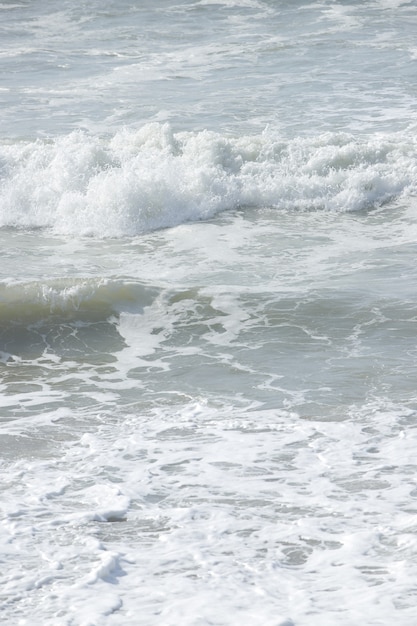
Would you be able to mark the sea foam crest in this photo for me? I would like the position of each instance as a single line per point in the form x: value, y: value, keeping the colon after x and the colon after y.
x: 137, y: 181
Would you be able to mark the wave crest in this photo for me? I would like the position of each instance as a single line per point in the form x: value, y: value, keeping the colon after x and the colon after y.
x: 71, y: 298
x: 137, y: 181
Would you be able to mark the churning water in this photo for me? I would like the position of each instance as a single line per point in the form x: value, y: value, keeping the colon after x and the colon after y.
x: 208, y: 313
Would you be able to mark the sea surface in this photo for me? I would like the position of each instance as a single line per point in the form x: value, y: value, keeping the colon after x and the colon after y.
x: 208, y: 313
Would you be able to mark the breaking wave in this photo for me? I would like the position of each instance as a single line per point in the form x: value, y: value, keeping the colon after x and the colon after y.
x: 138, y: 181
x: 70, y: 298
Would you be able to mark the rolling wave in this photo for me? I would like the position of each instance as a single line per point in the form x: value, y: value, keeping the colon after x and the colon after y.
x: 138, y: 181
x: 67, y: 299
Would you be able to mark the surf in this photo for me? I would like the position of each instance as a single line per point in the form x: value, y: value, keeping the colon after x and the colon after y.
x: 137, y: 181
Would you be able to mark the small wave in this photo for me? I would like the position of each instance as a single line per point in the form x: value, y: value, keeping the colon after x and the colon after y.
x: 68, y: 299
x: 138, y: 181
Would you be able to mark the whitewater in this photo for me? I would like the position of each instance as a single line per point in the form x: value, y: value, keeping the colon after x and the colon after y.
x: 208, y: 355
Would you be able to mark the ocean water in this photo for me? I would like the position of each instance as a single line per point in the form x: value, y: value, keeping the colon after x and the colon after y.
x: 208, y: 313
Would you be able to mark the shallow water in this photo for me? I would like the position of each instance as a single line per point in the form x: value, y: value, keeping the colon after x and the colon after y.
x: 207, y: 313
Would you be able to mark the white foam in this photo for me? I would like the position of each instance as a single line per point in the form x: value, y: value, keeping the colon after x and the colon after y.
x: 203, y: 515
x: 137, y: 181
